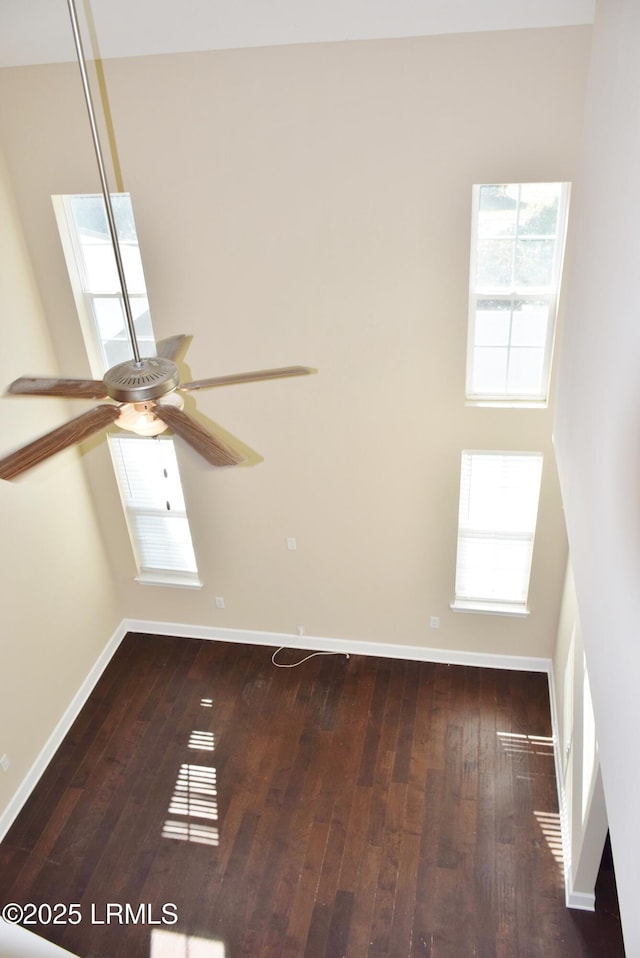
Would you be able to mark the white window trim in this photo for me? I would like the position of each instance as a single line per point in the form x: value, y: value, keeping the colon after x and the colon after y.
x: 550, y: 294
x: 172, y: 579
x: 516, y: 609
x: 83, y: 301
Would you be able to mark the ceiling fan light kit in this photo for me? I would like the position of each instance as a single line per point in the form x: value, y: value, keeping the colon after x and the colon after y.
x: 140, y: 418
x: 144, y: 389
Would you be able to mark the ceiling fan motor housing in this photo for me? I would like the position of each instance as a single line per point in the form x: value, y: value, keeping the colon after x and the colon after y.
x: 149, y: 379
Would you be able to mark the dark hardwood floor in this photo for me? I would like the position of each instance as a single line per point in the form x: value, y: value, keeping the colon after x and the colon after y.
x: 366, y: 807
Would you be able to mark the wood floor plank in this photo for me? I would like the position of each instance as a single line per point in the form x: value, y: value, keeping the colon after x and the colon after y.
x: 338, y: 934
x: 305, y: 897
x: 318, y: 931
x: 363, y: 909
x: 346, y: 807
x: 440, y: 716
x: 424, y: 912
x: 356, y: 841
x: 401, y: 930
x: 374, y: 727
x: 389, y: 884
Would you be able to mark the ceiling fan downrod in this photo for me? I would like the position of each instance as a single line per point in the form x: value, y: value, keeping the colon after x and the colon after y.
x: 77, y: 39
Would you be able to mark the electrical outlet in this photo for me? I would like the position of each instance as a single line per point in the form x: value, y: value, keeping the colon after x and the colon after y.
x: 291, y: 543
x: 219, y: 602
x: 434, y: 622
x: 5, y: 763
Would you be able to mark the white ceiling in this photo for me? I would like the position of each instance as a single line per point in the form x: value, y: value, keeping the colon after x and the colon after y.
x: 37, y: 31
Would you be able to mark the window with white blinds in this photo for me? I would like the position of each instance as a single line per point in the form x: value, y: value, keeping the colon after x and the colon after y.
x: 499, y: 494
x: 517, y: 247
x: 146, y: 468
x: 151, y: 492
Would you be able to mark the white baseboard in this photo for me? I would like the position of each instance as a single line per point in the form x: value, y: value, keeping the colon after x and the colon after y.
x: 313, y: 643
x: 72, y: 711
x: 583, y: 901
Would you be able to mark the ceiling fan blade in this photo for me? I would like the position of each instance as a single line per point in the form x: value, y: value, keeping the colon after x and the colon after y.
x: 170, y: 347
x: 257, y: 376
x: 210, y: 447
x: 72, y: 432
x: 66, y: 388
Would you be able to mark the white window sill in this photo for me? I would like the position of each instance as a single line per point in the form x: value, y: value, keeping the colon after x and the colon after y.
x: 507, y: 403
x: 169, y: 579
x: 490, y: 608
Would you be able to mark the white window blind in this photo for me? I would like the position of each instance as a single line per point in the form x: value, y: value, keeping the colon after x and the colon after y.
x: 517, y: 247
x: 499, y: 495
x: 152, y: 496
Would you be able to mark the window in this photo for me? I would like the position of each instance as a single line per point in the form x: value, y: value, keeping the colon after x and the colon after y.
x: 146, y: 469
x: 499, y: 494
x: 152, y: 497
x: 97, y: 277
x: 518, y: 233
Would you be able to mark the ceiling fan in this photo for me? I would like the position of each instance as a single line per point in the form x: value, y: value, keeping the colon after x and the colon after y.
x: 146, y: 390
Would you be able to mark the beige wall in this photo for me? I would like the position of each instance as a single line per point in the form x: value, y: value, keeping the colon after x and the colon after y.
x: 59, y: 605
x: 311, y: 204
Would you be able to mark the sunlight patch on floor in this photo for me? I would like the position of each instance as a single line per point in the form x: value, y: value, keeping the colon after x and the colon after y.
x: 191, y: 832
x: 171, y: 944
x: 193, y: 807
x: 549, y: 823
x: 516, y: 743
x: 202, y: 741
x: 194, y: 797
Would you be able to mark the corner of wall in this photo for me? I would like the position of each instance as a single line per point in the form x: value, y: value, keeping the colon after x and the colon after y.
x: 45, y: 755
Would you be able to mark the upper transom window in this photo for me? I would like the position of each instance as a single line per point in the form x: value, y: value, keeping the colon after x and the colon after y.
x: 518, y: 233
